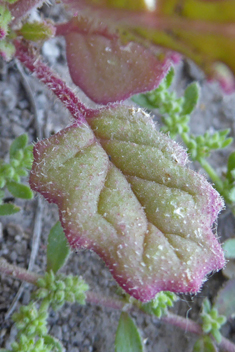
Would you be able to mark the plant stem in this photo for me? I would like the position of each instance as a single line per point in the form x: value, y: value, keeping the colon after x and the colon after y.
x: 52, y: 81
x: 17, y: 272
x: 113, y: 303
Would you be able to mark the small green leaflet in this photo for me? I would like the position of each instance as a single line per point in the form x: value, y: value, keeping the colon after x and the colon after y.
x: 19, y: 190
x: 51, y: 340
x: 204, y: 344
x: 57, y: 248
x: 8, y: 209
x: 128, y: 338
x: 169, y: 77
x: 191, y: 96
x: 231, y: 167
x: 19, y: 143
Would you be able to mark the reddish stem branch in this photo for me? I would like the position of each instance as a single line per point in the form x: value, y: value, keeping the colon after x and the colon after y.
x: 17, y: 272
x: 52, y: 81
x: 187, y: 325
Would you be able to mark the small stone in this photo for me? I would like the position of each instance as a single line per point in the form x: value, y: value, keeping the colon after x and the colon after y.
x: 56, y: 331
x: 13, y: 256
x: 74, y: 349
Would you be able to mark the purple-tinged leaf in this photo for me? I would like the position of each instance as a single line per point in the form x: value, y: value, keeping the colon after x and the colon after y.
x: 229, y: 270
x: 123, y: 190
x: 201, y: 30
x: 225, y: 300
x: 108, y: 71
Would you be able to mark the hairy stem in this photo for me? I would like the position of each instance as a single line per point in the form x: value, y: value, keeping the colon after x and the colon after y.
x: 187, y: 325
x: 17, y: 272
x: 52, y: 81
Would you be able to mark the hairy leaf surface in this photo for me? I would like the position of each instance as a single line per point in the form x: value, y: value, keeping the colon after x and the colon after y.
x: 123, y: 190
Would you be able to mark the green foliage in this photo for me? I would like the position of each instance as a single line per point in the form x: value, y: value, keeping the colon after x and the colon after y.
x: 211, y: 320
x: 5, y: 19
x: 175, y: 112
x: 7, y: 49
x: 159, y: 305
x: 58, y: 249
x: 8, y: 209
x: 128, y: 338
x: 200, y: 147
x: 20, y: 161
x: 31, y: 322
x: 204, y: 344
x: 57, y: 289
x: 36, y: 31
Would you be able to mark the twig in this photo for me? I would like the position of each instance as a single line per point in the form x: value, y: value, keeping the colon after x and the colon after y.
x: 18, y: 272
x: 53, y: 82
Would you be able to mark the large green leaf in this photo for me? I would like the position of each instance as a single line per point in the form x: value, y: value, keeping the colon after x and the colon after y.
x: 57, y: 248
x: 128, y: 338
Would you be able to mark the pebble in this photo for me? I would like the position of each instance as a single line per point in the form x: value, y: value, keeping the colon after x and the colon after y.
x: 56, y: 331
x: 75, y: 349
x: 13, y: 256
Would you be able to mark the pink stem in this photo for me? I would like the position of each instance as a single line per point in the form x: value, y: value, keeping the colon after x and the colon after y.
x: 187, y: 325
x: 108, y: 302
x: 17, y: 272
x: 52, y: 81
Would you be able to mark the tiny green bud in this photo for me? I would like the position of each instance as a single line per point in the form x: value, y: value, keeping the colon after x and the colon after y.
x: 14, y: 163
x: 41, y: 293
x: 59, y: 296
x: 30, y: 330
x: 41, y: 282
x: 60, y: 285
x: 69, y: 296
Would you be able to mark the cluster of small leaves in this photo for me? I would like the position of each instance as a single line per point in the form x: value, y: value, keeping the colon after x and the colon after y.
x: 32, y: 336
x: 159, y: 305
x: 58, y: 289
x: 53, y: 291
x: 30, y: 321
x: 201, y: 146
x: 175, y: 112
x: 211, y: 320
x: 20, y: 161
